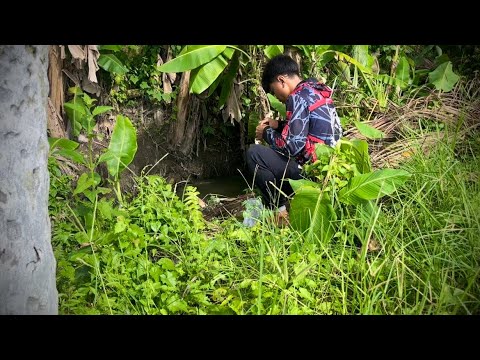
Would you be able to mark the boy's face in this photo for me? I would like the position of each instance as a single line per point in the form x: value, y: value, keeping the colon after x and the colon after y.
x: 280, y: 89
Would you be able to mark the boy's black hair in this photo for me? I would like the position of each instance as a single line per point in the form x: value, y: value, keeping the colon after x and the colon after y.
x: 278, y: 65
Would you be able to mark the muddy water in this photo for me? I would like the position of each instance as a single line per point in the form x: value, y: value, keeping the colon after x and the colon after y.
x: 228, y: 186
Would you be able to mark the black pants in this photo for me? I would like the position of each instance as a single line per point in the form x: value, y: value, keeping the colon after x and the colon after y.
x: 266, y: 165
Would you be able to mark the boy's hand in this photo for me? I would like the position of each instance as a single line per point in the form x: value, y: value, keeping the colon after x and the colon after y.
x: 271, y: 122
x: 259, y: 129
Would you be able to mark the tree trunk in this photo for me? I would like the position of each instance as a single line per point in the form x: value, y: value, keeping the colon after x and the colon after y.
x: 27, y: 264
x: 178, y: 126
x: 55, y: 123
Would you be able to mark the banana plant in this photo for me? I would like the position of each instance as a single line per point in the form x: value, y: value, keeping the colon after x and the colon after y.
x: 121, y: 149
x: 207, y: 62
x: 109, y: 61
x: 273, y: 50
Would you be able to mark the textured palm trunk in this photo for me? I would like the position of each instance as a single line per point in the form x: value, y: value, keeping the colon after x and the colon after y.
x: 27, y: 264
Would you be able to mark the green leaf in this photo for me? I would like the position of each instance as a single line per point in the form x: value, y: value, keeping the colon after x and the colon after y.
x: 369, y: 131
x: 389, y: 80
x: 166, y: 263
x: 110, y: 47
x: 101, y: 109
x: 277, y: 105
x: 403, y: 71
x: 443, y: 77
x: 122, y: 147
x: 120, y: 225
x: 312, y: 211
x: 305, y: 294
x: 193, y: 58
x: 441, y: 59
x: 322, y: 150
x: 214, y: 86
x: 227, y: 84
x: 112, y: 64
x: 206, y: 75
x: 273, y: 50
x: 72, y: 155
x: 323, y: 55
x: 76, y: 111
x: 75, y: 90
x: 83, y: 183
x: 80, y: 112
x: 298, y: 184
x: 367, y: 211
x: 361, y: 156
x: 372, y: 185
x: 62, y: 143
x: 78, y: 107
x: 342, y: 56
x: 361, y: 54
x: 90, y: 195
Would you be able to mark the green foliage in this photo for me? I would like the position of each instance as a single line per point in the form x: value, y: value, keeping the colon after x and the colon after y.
x: 155, y: 254
x: 277, y: 105
x: 372, y: 186
x: 443, y: 78
x: 193, y: 57
x: 203, y: 77
x: 312, y: 213
x: 207, y: 63
x: 227, y: 83
x: 403, y: 71
x: 142, y: 78
x: 273, y: 50
x: 122, y: 147
x: 79, y: 110
x: 368, y: 131
x: 66, y: 148
x: 111, y: 63
x: 126, y: 268
x: 345, y: 174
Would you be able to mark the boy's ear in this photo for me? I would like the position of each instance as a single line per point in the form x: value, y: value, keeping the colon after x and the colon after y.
x: 281, y: 78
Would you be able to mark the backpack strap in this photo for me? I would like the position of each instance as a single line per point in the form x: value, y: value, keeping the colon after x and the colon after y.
x: 325, y: 97
x: 324, y: 94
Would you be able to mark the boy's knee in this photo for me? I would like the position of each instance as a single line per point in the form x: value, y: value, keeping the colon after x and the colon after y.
x: 253, y: 151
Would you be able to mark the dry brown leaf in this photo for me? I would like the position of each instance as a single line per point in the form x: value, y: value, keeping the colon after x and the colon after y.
x: 167, y: 87
x: 202, y: 203
x: 74, y: 77
x: 77, y: 52
x: 172, y: 76
x: 55, y: 122
x: 91, y: 87
x: 373, y: 245
x: 93, y: 55
x: 232, y: 108
x: 82, y: 139
x: 62, y: 51
x: 56, y: 94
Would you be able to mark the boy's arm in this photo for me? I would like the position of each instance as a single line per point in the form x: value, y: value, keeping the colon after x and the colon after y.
x: 281, y: 125
x: 292, y: 137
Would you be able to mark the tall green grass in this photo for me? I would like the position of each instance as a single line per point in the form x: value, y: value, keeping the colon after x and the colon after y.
x: 428, y: 261
x: 157, y: 255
